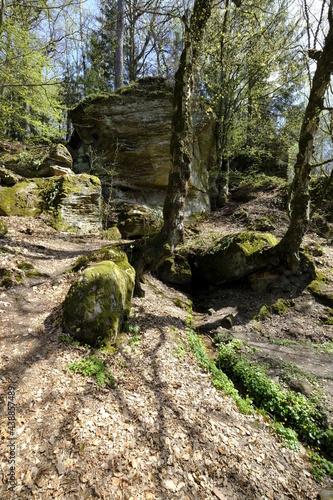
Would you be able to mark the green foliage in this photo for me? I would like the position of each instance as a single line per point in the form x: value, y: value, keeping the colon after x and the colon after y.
x: 321, y: 467
x: 292, y: 409
x: 93, y: 367
x: 249, y: 74
x: 27, y: 107
x: 220, y: 379
x: 134, y: 332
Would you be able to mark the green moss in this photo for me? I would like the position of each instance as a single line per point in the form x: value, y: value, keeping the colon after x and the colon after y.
x: 29, y: 270
x: 252, y: 242
x: 280, y: 307
x: 180, y: 303
x: 98, y: 302
x: 234, y: 257
x: 23, y: 199
x: 321, y: 289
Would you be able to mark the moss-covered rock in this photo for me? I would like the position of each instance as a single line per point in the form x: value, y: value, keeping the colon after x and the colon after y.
x: 3, y: 228
x: 39, y: 161
x: 73, y: 202
x: 322, y: 289
x: 136, y: 221
x: 234, y: 257
x: 175, y: 271
x: 23, y: 200
x: 98, y: 302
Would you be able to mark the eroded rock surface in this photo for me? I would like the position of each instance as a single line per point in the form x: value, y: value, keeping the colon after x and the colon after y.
x: 124, y: 138
x: 72, y: 202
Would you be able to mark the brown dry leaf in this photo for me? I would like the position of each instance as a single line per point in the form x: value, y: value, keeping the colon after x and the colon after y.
x: 219, y: 494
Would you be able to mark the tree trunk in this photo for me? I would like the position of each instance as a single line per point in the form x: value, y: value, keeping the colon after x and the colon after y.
x: 222, y: 164
x: 171, y: 234
x: 300, y: 215
x: 2, y: 12
x: 119, y: 56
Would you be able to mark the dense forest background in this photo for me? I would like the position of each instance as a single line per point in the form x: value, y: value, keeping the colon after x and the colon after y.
x: 254, y: 69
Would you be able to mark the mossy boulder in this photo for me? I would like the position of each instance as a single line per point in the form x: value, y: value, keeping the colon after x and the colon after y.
x: 98, y: 302
x: 22, y: 200
x: 136, y: 221
x: 73, y: 202
x: 3, y: 228
x: 175, y: 271
x: 322, y: 289
x: 233, y: 257
x: 39, y: 161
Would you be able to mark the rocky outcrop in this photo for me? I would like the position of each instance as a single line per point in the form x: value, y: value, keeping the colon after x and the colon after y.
x: 99, y: 301
x: 233, y: 257
x: 42, y: 161
x: 72, y: 202
x: 124, y: 138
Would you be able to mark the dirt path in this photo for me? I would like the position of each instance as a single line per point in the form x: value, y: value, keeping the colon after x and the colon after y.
x: 163, y: 432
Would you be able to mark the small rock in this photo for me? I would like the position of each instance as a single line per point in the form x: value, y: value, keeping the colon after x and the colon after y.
x: 301, y: 386
x: 326, y: 494
x: 3, y: 228
x: 211, y: 311
x: 170, y: 485
x: 228, y: 322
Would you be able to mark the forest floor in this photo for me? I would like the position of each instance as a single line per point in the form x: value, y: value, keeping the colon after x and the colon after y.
x: 163, y: 431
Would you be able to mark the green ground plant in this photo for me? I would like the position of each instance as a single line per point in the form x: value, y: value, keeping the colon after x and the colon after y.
x: 93, y: 366
x: 289, y: 408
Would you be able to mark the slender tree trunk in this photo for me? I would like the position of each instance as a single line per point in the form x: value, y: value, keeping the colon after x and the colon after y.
x: 300, y: 215
x: 119, y: 56
x: 171, y: 234
x: 2, y: 12
x: 222, y: 165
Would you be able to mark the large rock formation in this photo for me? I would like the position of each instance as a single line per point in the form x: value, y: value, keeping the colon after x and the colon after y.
x: 124, y: 138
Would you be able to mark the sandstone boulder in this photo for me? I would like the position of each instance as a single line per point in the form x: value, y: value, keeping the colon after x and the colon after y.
x: 72, y: 202
x: 124, y: 138
x: 233, y: 257
x: 98, y: 302
x: 41, y: 161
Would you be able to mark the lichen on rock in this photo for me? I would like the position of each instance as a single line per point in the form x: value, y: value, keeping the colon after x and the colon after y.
x: 98, y: 302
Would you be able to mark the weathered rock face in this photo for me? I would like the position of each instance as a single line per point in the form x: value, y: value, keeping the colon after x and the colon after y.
x: 128, y: 133
x: 99, y: 301
x: 175, y: 271
x: 42, y: 161
x: 73, y: 202
x: 137, y: 221
x: 233, y: 257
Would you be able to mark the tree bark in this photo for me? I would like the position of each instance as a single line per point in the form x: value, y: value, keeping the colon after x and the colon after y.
x: 119, y: 55
x: 2, y: 12
x: 171, y: 234
x: 300, y: 216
